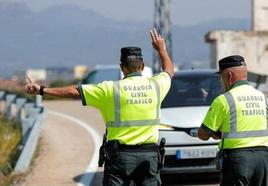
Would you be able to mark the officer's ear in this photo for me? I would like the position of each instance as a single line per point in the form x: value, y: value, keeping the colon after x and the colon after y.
x: 230, y: 77
x: 123, y: 69
x: 142, y: 67
x: 229, y: 74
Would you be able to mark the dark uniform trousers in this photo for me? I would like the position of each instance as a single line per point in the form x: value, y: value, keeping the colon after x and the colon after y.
x: 245, y: 167
x: 137, y: 164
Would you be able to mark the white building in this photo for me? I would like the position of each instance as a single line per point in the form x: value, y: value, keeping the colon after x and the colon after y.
x: 252, y: 45
x: 37, y: 74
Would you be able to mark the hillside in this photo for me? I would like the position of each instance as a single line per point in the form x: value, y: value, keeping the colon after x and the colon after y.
x: 68, y: 35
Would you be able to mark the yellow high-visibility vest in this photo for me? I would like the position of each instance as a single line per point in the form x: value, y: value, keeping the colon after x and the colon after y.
x: 241, y: 115
x: 130, y: 107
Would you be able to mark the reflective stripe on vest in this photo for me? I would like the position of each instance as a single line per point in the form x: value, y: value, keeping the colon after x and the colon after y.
x: 233, y: 123
x: 119, y: 123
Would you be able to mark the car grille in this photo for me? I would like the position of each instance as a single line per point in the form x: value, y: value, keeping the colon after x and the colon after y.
x: 171, y: 161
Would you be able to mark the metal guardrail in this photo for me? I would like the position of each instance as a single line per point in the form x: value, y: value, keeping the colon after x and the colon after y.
x: 31, y: 116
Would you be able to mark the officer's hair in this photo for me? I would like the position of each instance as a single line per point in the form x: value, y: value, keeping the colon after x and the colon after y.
x: 133, y: 65
x: 239, y: 72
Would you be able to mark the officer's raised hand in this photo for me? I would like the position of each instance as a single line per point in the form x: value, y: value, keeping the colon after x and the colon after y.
x: 159, y: 44
x: 158, y: 41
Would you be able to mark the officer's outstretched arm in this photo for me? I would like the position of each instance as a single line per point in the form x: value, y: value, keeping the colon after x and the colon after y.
x: 67, y: 92
x: 159, y: 44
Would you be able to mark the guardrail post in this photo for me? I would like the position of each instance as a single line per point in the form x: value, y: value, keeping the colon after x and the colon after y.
x: 39, y: 101
x: 2, y: 95
x: 27, y: 107
x: 9, y: 100
x: 19, y: 104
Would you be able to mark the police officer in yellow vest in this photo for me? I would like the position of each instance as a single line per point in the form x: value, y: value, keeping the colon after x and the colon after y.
x: 239, y: 118
x: 131, y: 111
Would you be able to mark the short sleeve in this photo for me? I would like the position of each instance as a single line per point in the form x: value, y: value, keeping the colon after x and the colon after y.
x: 215, y: 116
x: 94, y: 94
x: 164, y: 81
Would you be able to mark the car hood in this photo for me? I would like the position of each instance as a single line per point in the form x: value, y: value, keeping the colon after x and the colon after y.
x: 184, y: 117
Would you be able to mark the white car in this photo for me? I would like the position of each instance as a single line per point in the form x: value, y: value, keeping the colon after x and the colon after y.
x: 109, y: 73
x: 182, y: 113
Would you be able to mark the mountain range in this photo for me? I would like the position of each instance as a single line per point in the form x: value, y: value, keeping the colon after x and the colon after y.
x: 63, y: 36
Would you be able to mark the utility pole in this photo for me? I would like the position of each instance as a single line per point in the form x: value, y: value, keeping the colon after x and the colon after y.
x: 162, y: 23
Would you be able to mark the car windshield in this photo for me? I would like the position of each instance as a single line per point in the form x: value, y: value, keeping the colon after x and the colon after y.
x: 193, y: 90
x: 101, y: 75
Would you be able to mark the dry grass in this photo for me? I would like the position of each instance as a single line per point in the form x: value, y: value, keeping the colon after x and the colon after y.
x: 10, y: 136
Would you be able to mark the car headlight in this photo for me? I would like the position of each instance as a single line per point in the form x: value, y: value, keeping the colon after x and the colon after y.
x: 193, y: 132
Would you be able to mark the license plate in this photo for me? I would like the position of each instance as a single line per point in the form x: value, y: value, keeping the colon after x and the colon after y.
x: 196, y: 153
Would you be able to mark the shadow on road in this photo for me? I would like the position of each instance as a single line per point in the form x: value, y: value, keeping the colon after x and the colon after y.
x: 96, y: 178
x: 190, y: 179
x: 204, y: 179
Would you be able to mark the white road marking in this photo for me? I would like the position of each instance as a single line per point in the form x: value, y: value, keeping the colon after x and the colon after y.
x: 93, y: 165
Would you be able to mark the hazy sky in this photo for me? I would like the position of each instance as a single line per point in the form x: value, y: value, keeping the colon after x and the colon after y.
x: 183, y: 12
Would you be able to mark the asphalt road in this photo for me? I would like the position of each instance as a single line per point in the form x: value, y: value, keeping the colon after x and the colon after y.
x: 69, y: 140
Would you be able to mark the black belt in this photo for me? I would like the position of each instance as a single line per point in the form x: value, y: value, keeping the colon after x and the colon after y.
x: 149, y: 147
x: 258, y: 148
